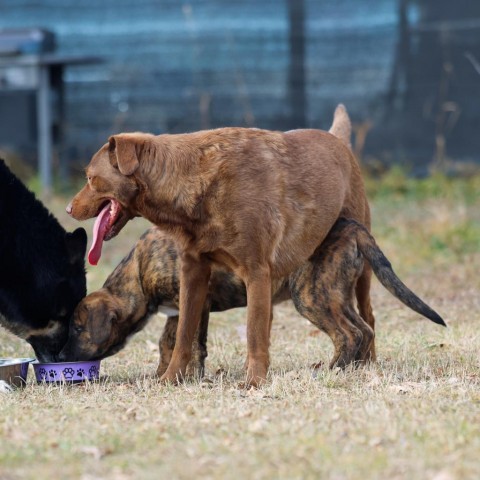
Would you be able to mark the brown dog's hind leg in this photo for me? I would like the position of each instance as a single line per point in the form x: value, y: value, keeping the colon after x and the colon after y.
x: 194, y: 277
x: 364, y: 306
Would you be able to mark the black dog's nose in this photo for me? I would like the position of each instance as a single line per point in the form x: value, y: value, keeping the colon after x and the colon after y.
x: 69, y: 208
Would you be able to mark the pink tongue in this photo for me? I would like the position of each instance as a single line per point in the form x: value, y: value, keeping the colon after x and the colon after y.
x: 99, y: 230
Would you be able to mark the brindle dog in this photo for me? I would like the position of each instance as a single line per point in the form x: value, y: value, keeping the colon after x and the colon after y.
x: 323, y: 291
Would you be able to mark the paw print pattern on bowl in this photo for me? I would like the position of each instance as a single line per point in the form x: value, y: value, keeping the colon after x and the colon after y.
x: 68, y: 373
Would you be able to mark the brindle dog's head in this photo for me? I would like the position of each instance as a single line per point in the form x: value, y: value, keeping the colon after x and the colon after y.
x: 100, y: 327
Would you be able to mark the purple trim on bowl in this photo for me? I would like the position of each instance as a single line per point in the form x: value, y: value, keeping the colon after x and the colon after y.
x: 67, y: 371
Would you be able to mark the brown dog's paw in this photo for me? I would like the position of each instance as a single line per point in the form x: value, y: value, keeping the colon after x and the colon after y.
x: 169, y: 379
x: 246, y: 386
x: 256, y: 374
x: 162, y: 368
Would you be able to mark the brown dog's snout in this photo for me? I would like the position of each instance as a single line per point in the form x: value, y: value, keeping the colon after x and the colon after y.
x: 69, y: 208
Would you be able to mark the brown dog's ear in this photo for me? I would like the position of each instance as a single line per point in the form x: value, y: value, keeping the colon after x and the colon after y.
x: 123, y: 154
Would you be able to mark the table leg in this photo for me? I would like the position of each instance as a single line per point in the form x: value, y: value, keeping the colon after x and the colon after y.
x: 44, y: 128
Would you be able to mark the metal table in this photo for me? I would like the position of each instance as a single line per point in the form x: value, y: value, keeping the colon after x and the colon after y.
x: 47, y: 75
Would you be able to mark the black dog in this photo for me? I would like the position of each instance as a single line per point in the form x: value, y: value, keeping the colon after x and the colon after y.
x: 42, y: 269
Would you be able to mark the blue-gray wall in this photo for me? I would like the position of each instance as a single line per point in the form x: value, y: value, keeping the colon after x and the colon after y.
x: 185, y: 65
x: 180, y: 66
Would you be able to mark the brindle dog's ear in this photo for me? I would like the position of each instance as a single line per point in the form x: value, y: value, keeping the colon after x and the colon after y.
x: 100, y: 328
x: 123, y: 154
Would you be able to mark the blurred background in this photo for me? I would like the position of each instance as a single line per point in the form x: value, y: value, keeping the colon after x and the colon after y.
x: 73, y: 72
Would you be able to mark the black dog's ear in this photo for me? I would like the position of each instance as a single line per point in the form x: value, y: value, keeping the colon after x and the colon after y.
x: 123, y: 154
x: 76, y: 243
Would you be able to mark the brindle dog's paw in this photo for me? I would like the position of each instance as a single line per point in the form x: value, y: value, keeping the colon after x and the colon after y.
x: 195, y: 370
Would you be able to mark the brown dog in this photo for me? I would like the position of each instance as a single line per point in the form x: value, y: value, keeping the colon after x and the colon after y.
x: 148, y: 278
x: 147, y: 281
x: 254, y: 201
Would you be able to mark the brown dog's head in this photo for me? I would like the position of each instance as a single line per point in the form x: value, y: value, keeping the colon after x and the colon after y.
x: 99, y: 328
x: 111, y: 188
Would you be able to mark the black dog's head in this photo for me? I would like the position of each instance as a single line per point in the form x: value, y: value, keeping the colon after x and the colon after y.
x: 66, y: 288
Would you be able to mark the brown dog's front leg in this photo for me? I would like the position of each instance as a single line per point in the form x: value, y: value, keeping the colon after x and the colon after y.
x: 259, y: 294
x: 245, y: 365
x: 194, y: 277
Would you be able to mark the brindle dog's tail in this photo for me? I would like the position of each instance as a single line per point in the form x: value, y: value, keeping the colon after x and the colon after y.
x: 342, y: 126
x: 384, y: 272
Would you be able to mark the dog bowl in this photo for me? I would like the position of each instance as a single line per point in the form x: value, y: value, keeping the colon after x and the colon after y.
x: 71, y: 372
x: 14, y: 370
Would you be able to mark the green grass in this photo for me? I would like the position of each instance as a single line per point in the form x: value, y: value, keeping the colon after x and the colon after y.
x: 396, y: 185
x: 415, y: 414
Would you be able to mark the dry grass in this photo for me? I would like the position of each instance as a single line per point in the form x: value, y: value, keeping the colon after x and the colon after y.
x: 414, y: 414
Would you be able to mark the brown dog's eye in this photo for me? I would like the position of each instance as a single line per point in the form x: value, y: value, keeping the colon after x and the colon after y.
x: 91, y: 181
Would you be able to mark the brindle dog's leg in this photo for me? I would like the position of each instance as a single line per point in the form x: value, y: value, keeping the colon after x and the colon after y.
x: 365, y: 308
x: 196, y: 366
x: 167, y: 344
x: 329, y: 317
x: 194, y: 277
x: 368, y: 335
x: 322, y: 291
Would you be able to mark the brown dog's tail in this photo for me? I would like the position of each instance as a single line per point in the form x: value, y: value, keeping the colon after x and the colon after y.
x: 342, y: 126
x: 384, y: 272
